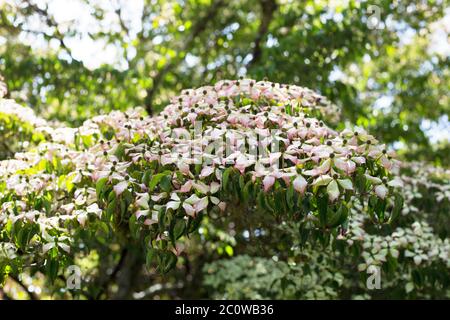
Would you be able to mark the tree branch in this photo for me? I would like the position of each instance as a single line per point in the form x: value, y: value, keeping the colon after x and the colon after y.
x: 124, y: 27
x: 112, y: 276
x: 268, y: 8
x: 31, y: 295
x: 125, y: 30
x: 52, y: 23
x: 197, y: 29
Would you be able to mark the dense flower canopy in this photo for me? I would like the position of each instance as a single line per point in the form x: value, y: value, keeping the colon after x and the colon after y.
x: 213, y: 149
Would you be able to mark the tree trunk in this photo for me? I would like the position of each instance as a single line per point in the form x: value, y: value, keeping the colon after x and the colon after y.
x: 129, y: 274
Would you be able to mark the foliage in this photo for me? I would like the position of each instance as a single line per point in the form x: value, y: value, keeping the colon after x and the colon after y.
x: 245, y: 277
x: 239, y: 188
x: 413, y: 256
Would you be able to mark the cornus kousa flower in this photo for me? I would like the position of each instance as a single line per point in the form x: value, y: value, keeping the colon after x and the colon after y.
x: 233, y: 146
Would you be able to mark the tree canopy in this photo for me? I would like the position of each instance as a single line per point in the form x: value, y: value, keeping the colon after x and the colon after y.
x: 126, y: 152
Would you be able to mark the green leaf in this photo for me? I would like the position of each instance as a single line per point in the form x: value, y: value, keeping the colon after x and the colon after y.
x: 111, y: 209
x: 280, y: 199
x: 241, y: 182
x: 150, y: 256
x: 333, y: 190
x: 398, y: 206
x: 262, y: 200
x: 100, y: 185
x: 123, y: 209
x: 360, y: 182
x: 373, y: 199
x: 229, y: 250
x: 52, y: 267
x: 178, y: 228
x: 322, y: 181
x: 346, y: 184
x: 146, y: 177
x: 247, y: 190
x: 161, y: 218
x: 167, y: 261
x: 194, y: 223
x: 120, y: 151
x: 155, y: 180
x: 166, y: 183
x: 290, y: 193
x: 338, y: 217
x: 380, y: 209
x: 104, y: 227
x: 226, y: 177
x: 111, y: 196
x: 134, y: 226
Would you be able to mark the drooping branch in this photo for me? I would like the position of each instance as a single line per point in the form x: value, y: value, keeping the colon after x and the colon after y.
x: 268, y: 8
x: 197, y: 29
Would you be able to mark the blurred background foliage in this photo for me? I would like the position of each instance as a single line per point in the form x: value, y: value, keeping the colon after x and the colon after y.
x: 385, y: 63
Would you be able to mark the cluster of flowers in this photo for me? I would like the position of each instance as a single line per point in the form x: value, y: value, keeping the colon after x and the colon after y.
x: 417, y: 242
x: 420, y: 240
x: 411, y: 254
x: 421, y: 176
x: 23, y: 114
x: 17, y: 128
x: 255, y: 143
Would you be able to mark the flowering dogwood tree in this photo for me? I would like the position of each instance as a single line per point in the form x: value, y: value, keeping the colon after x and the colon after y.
x: 125, y: 182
